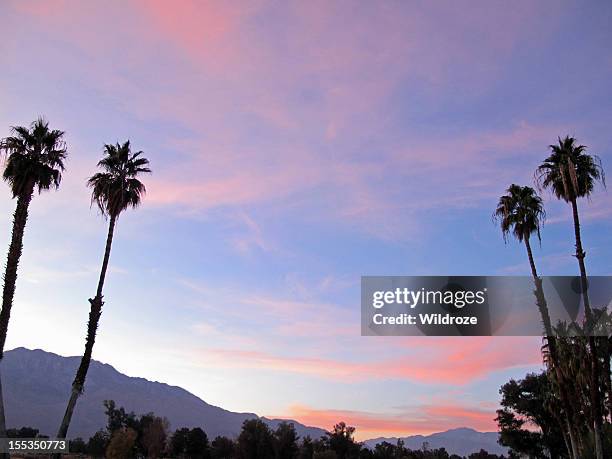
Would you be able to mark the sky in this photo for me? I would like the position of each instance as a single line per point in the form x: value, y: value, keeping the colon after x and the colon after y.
x: 295, y: 147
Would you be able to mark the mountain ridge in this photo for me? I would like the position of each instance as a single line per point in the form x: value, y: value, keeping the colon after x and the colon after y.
x: 37, y: 383
x: 36, y: 387
x: 462, y: 441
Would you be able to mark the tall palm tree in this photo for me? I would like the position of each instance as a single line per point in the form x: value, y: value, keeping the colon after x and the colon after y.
x: 521, y: 212
x: 114, y: 190
x: 571, y: 173
x: 35, y: 161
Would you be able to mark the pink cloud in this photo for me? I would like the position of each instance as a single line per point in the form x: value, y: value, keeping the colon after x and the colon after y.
x: 318, y: 87
x: 206, y: 31
x: 467, y: 361
x: 423, y: 419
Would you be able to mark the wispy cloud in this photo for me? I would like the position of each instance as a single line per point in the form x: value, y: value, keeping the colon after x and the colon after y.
x: 463, y: 364
x: 422, y: 419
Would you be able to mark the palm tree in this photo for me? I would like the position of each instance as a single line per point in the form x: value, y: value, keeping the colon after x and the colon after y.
x: 571, y: 173
x: 113, y: 191
x: 35, y: 160
x: 521, y: 212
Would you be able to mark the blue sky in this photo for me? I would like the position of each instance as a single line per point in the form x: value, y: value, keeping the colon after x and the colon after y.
x: 295, y: 148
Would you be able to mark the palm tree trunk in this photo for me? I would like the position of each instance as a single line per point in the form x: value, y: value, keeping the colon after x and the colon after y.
x: 552, y: 346
x: 609, y: 376
x: 574, y: 453
x: 580, y: 255
x: 20, y: 218
x: 607, y: 354
x: 95, y: 312
x: 595, y: 394
x: 534, y: 271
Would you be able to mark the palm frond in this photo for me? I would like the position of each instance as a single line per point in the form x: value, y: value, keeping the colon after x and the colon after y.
x: 35, y: 157
x: 520, y: 212
x: 117, y: 187
x: 569, y: 172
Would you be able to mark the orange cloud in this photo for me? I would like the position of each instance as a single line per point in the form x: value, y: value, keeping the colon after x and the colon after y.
x: 466, y: 361
x: 424, y: 419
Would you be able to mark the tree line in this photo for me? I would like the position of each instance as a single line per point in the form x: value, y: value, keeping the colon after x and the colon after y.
x: 571, y: 402
x: 128, y: 435
x: 34, y: 162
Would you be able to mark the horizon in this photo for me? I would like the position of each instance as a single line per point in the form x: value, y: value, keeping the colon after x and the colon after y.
x: 295, y: 148
x: 256, y: 414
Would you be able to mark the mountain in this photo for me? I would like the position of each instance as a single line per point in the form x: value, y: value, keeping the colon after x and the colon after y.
x: 462, y: 441
x: 37, y: 385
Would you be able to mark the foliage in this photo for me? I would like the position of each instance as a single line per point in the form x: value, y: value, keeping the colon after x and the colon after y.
x: 222, y: 448
x: 78, y: 446
x: 569, y: 171
x: 529, y: 420
x: 190, y: 443
x: 285, y: 441
x: 154, y: 434
x: 521, y: 212
x: 150, y: 431
x: 96, y: 446
x: 35, y: 158
x: 23, y: 432
x: 117, y: 188
x: 128, y: 438
x: 340, y: 440
x: 255, y: 441
x: 122, y: 444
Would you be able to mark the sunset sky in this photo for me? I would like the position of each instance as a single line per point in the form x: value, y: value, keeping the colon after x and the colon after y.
x: 295, y: 147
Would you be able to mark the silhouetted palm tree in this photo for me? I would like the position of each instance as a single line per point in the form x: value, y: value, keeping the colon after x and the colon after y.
x: 521, y: 212
x: 35, y: 161
x: 571, y: 173
x: 113, y: 191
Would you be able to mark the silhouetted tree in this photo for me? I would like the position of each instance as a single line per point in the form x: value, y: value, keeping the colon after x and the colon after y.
x: 520, y: 212
x: 122, y: 444
x: 255, y: 440
x: 385, y: 450
x: 325, y: 454
x: 96, y: 446
x: 190, y: 443
x: 341, y: 441
x: 22, y: 432
x: 78, y: 446
x: 286, y: 439
x: 571, y: 173
x: 222, y: 448
x: 151, y: 430
x: 526, y: 403
x: 306, y: 448
x: 482, y: 454
x: 153, y: 435
x: 118, y: 418
x: 35, y: 161
x: 178, y: 442
x: 114, y: 190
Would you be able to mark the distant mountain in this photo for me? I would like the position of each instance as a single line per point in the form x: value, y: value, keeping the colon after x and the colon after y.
x: 37, y: 385
x: 462, y: 441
